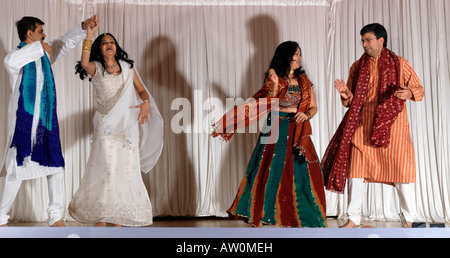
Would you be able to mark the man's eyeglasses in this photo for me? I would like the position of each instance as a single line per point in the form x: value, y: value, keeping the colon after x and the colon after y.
x: 366, y: 41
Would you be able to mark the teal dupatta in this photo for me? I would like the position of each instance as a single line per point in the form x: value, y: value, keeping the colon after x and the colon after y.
x: 47, y: 148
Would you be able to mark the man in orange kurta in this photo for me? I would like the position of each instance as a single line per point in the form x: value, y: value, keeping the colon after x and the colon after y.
x: 395, y: 163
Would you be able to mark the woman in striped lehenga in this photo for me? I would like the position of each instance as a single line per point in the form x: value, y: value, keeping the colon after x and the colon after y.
x: 283, y: 184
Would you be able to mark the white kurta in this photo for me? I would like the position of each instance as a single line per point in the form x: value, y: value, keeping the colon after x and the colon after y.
x: 14, y: 63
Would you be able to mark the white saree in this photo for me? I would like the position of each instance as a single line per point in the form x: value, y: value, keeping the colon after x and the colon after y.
x: 112, y: 189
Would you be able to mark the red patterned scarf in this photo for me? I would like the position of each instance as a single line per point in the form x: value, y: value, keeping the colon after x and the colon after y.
x: 248, y: 113
x: 336, y: 161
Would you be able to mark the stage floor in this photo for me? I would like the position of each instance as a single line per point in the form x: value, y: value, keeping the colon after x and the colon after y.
x: 189, y: 228
x: 209, y: 222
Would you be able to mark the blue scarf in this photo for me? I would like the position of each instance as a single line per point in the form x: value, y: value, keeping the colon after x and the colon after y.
x: 47, y: 149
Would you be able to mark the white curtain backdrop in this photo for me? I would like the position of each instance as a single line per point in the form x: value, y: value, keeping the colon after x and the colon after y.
x: 196, y: 55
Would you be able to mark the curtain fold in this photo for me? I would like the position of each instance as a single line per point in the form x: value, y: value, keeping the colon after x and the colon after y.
x: 198, y: 57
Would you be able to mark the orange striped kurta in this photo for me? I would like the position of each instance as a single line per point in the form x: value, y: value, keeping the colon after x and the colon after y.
x: 396, y: 163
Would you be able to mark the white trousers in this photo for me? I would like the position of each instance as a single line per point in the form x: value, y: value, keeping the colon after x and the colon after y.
x: 55, y: 191
x: 357, y: 192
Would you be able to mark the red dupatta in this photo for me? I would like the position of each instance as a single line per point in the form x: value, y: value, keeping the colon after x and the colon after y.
x: 248, y: 113
x: 335, y: 163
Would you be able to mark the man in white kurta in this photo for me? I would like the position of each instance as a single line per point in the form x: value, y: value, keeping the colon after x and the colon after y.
x: 32, y: 50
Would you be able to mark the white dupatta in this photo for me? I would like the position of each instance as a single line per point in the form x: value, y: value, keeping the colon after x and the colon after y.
x: 123, y: 117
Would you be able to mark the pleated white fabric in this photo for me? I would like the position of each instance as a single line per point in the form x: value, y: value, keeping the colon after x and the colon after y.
x: 193, y: 55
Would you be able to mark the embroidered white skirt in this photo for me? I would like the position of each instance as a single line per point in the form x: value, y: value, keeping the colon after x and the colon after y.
x: 112, y: 189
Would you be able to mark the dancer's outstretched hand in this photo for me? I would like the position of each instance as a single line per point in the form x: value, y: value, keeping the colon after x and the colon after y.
x: 90, y: 23
x: 143, y: 114
x: 341, y: 86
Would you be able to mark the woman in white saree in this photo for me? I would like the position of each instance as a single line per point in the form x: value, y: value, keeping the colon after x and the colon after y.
x: 128, y: 139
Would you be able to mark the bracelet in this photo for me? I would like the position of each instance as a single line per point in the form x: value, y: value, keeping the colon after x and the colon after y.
x: 87, y: 44
x: 273, y: 92
x: 309, y: 115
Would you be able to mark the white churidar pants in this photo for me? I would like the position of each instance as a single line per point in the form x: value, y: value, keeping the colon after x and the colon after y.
x: 55, y: 191
x: 357, y: 191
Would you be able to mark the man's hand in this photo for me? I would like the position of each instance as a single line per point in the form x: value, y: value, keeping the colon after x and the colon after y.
x: 404, y: 93
x: 90, y: 23
x: 47, y: 48
x: 343, y: 89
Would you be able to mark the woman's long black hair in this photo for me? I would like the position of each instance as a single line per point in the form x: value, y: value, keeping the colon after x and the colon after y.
x: 281, y: 61
x: 96, y: 55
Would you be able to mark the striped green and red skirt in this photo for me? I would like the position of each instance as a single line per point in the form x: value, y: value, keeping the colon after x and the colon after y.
x: 280, y: 186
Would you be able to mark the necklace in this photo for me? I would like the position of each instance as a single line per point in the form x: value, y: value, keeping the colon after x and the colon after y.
x: 111, y: 66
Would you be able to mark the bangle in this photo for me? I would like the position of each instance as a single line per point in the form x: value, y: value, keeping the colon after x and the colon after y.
x: 308, y: 114
x: 273, y: 92
x: 87, y: 44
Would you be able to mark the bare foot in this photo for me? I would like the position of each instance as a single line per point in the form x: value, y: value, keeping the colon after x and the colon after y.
x: 100, y: 224
x: 260, y: 225
x: 408, y: 224
x: 349, y: 224
x: 59, y: 224
x: 4, y: 226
